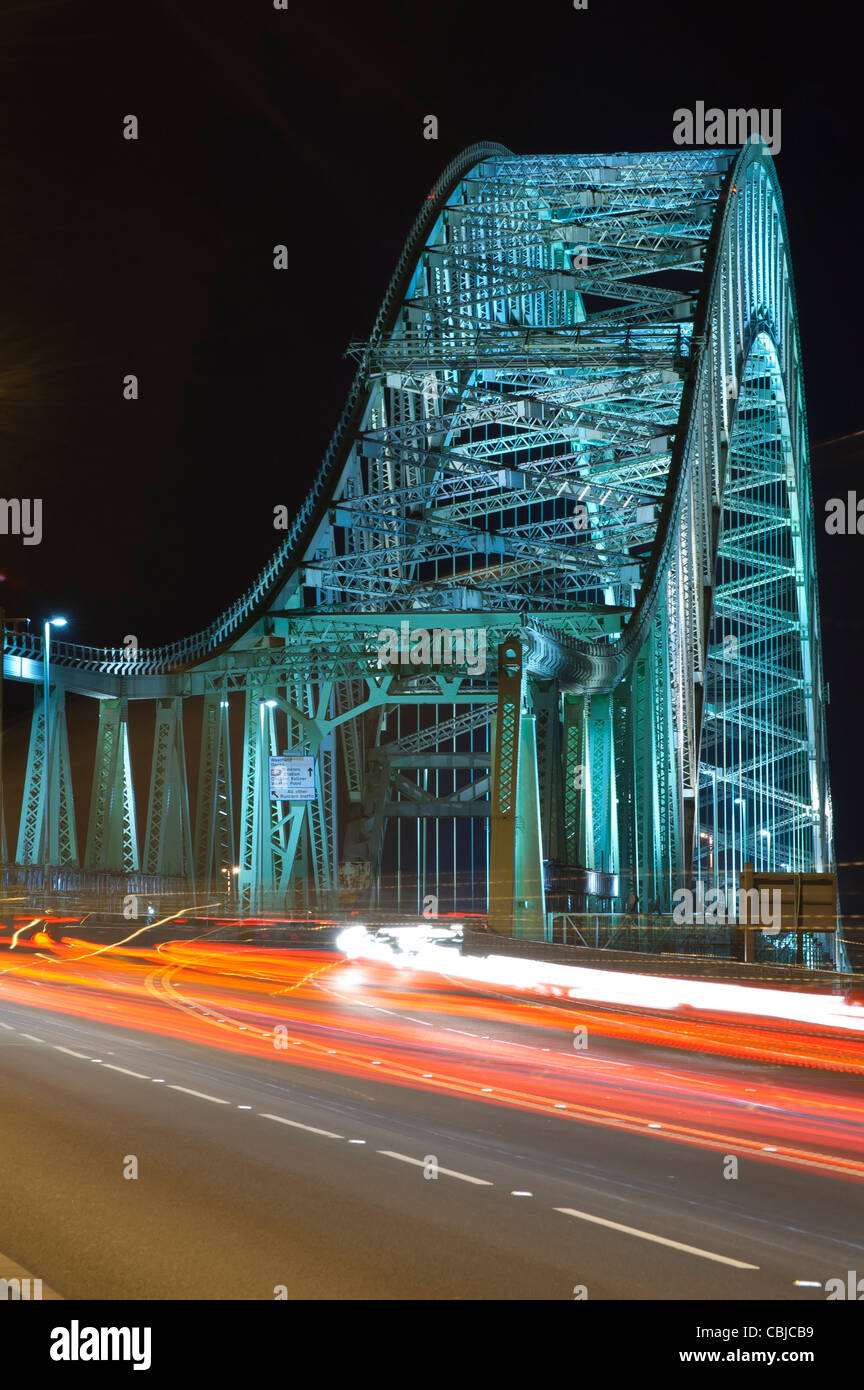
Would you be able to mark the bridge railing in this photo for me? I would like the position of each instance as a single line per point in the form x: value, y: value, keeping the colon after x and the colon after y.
x: 658, y: 933
x: 31, y: 889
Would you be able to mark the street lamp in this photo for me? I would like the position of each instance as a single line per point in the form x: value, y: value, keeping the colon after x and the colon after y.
x: 46, y: 761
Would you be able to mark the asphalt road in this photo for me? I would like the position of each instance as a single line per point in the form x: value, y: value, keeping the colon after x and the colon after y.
x: 257, y: 1174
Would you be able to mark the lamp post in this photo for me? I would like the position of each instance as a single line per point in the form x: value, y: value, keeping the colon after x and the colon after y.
x: 46, y: 761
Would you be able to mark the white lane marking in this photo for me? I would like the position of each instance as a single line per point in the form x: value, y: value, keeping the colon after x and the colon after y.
x: 126, y: 1071
x: 658, y: 1240
x: 295, y: 1124
x: 449, y: 1172
x: 8, y: 1027
x: 70, y: 1052
x: 202, y: 1095
x: 31, y: 1037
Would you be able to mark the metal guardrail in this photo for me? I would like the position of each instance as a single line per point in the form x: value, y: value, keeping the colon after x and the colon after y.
x: 71, y: 891
x: 695, y: 964
x: 658, y: 933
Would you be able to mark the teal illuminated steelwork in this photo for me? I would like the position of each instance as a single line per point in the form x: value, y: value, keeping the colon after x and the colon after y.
x: 578, y: 422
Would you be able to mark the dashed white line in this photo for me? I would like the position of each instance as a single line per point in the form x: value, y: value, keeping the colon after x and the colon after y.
x: 202, y: 1095
x: 126, y: 1071
x: 449, y: 1172
x: 658, y: 1240
x: 70, y: 1052
x: 295, y: 1124
x: 31, y: 1037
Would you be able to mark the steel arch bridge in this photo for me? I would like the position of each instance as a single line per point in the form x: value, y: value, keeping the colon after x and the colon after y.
x: 551, y: 596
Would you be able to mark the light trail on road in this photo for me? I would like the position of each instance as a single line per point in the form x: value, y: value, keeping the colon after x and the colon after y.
x: 418, y: 1029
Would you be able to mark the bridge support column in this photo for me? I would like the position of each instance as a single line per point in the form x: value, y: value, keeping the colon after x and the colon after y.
x: 516, y: 897
x: 214, y: 817
x: 603, y: 844
x: 63, y: 848
x: 169, y: 837
x: 112, y: 835
x: 529, y: 911
x: 546, y: 704
x: 576, y: 789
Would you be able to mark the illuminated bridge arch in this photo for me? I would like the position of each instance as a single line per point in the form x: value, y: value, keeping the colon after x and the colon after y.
x: 578, y: 424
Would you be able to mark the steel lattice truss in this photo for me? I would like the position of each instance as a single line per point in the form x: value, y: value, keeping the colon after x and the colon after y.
x: 579, y: 421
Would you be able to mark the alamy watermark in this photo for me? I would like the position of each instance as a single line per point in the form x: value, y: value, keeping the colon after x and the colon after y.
x: 737, y: 126
x: 845, y: 516
x: 22, y: 516
x: 77, y: 1343
x: 460, y: 646
x: 13, y: 1290
x: 711, y: 909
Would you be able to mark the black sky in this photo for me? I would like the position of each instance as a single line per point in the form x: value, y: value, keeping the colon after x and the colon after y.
x: 305, y: 127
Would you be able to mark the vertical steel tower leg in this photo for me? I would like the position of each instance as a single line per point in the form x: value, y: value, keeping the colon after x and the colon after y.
x: 576, y: 789
x: 31, y: 832
x: 546, y: 701
x: 529, y: 911
x: 516, y: 897
x: 248, y: 882
x: 602, y: 798
x: 214, y: 818
x: 169, y: 837
x: 32, y: 805
x: 112, y: 835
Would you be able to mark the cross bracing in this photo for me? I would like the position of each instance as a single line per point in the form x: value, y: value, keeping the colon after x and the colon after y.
x: 577, y: 426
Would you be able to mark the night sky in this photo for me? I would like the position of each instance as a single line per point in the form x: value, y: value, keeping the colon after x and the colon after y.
x: 305, y: 127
